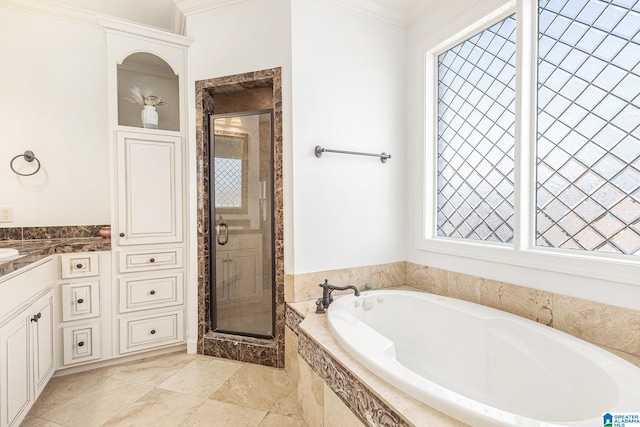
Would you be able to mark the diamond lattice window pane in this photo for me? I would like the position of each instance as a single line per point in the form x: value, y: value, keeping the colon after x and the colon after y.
x: 476, y: 96
x: 228, y: 182
x: 588, y: 180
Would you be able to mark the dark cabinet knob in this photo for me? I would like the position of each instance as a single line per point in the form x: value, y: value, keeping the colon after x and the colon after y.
x: 152, y: 292
x: 35, y: 318
x: 81, y: 343
x: 152, y: 260
x: 80, y: 300
x: 121, y: 234
x: 78, y: 265
x: 153, y: 332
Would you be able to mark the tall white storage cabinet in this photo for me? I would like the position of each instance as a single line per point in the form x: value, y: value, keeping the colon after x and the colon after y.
x: 149, y: 238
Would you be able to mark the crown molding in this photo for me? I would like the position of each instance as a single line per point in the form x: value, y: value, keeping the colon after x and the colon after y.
x: 367, y: 7
x: 118, y: 26
x: 54, y: 10
x: 193, y: 7
x: 419, y: 10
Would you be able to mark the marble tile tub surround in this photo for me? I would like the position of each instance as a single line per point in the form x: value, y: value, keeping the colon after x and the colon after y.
x: 330, y: 381
x: 614, y: 328
x: 303, y: 287
x: 255, y: 351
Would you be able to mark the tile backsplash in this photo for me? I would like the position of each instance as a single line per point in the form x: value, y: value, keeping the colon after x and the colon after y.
x: 52, y: 232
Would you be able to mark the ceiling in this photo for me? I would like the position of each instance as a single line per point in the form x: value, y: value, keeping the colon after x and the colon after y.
x: 168, y: 14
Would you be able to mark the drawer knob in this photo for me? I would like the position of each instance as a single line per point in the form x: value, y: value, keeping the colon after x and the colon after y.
x: 80, y: 300
x: 81, y: 343
x: 153, y: 332
x: 152, y: 292
x: 78, y: 265
x: 121, y: 234
x: 152, y: 260
x: 36, y: 317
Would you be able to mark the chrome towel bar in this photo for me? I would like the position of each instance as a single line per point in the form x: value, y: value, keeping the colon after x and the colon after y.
x: 383, y: 156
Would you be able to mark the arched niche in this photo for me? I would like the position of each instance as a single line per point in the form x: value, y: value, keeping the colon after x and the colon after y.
x: 153, y: 76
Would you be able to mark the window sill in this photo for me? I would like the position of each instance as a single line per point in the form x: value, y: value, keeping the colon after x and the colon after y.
x: 601, y: 267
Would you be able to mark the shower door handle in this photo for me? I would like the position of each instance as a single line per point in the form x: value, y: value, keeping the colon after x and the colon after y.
x: 225, y: 236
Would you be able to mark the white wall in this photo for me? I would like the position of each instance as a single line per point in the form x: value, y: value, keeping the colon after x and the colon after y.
x: 348, y: 94
x: 247, y: 36
x: 442, y: 22
x: 53, y: 102
x: 343, y: 88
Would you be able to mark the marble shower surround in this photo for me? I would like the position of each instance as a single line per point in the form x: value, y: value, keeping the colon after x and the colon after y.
x: 254, y: 350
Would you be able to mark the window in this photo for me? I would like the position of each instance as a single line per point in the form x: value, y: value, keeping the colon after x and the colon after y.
x: 580, y: 191
x: 588, y: 143
x: 231, y: 171
x: 476, y: 118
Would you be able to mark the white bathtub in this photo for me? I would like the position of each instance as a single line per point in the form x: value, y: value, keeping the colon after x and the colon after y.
x: 481, y: 365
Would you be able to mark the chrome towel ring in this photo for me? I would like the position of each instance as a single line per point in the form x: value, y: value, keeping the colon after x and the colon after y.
x: 28, y: 157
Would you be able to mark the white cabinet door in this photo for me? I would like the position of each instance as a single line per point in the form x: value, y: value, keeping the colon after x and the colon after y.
x: 149, y: 188
x: 15, y: 369
x: 42, y: 326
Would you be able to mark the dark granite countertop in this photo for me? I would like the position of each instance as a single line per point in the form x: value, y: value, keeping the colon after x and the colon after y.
x: 31, y: 251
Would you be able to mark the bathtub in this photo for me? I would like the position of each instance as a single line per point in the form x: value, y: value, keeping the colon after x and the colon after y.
x: 481, y: 365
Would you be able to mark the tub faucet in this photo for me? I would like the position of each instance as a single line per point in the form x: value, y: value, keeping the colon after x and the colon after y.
x: 327, y: 298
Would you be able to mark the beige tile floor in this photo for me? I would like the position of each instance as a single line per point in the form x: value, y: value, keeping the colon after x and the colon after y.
x: 171, y: 390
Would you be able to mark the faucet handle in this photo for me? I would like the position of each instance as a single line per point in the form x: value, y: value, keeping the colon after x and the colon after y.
x: 320, y: 306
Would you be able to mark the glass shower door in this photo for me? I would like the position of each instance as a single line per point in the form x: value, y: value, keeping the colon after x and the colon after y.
x: 242, y: 283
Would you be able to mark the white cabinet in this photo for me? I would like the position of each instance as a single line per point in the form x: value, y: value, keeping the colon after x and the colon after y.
x: 149, y: 211
x: 150, y: 331
x: 81, y: 343
x: 149, y: 188
x: 42, y: 341
x: 239, y: 269
x: 84, y: 264
x: 150, y: 249
x: 149, y: 292
x: 26, y: 357
x: 83, y: 327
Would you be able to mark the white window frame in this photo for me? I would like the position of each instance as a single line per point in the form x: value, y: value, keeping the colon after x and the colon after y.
x: 523, y: 252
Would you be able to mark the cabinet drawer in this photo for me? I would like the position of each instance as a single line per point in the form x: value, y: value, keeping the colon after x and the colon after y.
x: 139, y: 333
x: 139, y: 293
x: 131, y: 261
x: 80, y: 300
x: 79, y: 265
x: 81, y: 343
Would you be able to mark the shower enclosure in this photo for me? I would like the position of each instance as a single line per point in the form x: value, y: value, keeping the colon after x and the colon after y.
x: 241, y: 223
